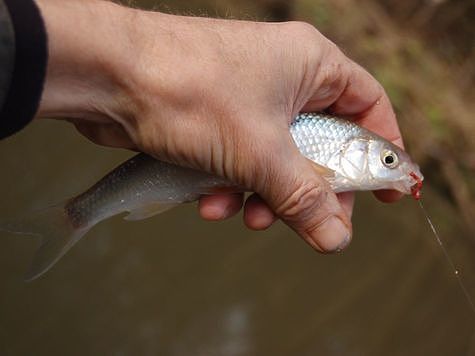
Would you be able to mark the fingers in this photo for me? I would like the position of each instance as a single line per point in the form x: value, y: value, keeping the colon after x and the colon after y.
x: 220, y: 206
x: 379, y: 118
x: 257, y: 214
x: 388, y: 196
x: 361, y: 93
x: 349, y: 90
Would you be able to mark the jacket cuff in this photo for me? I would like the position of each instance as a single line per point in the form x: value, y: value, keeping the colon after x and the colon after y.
x: 31, y: 58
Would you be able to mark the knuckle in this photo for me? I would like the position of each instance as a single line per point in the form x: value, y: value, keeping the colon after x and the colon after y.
x: 310, y: 40
x: 332, y: 47
x: 332, y: 73
x: 303, y: 29
x: 303, y: 202
x: 308, y: 37
x: 331, y: 80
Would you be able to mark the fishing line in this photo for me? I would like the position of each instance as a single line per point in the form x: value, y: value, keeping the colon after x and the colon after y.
x: 448, y: 258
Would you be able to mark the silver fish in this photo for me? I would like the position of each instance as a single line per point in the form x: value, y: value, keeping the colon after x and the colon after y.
x: 352, y: 158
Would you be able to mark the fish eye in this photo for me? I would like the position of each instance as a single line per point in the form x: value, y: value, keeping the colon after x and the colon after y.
x: 389, y: 159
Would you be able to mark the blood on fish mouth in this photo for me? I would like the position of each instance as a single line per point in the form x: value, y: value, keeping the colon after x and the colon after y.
x: 417, y: 187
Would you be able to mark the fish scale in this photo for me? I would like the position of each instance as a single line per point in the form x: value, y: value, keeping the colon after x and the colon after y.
x: 319, y: 137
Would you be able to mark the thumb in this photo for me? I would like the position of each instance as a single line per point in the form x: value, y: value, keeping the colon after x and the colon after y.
x: 304, y: 200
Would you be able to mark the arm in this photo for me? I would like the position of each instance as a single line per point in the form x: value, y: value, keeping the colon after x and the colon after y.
x: 216, y: 95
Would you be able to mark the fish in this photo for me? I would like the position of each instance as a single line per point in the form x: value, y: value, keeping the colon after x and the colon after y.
x: 348, y: 156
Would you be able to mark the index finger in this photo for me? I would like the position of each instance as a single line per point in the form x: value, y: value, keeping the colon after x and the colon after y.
x: 364, y: 100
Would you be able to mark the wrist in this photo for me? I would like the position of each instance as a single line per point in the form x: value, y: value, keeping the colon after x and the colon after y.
x: 90, y: 52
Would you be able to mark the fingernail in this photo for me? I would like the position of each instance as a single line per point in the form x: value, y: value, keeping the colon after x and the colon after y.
x: 344, y: 244
x: 332, y: 235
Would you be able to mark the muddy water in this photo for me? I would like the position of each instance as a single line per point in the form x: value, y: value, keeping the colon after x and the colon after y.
x: 175, y: 285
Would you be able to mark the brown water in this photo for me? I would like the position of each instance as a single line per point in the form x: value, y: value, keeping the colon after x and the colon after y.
x: 175, y: 285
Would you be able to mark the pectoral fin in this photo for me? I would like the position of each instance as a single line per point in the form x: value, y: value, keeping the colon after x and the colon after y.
x: 322, y: 171
x: 148, y: 211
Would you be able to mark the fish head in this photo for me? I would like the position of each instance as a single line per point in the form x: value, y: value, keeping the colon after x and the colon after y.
x: 372, y: 163
x: 393, y: 168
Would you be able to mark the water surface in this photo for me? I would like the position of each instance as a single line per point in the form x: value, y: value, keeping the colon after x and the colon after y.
x: 176, y: 285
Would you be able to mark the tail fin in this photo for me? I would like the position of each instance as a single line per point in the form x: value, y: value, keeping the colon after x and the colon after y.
x: 57, y: 234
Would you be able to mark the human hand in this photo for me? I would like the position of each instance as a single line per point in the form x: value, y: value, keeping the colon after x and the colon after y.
x: 216, y: 95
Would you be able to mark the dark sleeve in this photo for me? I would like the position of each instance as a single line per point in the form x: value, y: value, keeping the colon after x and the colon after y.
x: 23, y: 61
x: 7, y: 51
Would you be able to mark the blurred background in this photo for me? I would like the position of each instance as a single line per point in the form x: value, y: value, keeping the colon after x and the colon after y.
x: 175, y: 285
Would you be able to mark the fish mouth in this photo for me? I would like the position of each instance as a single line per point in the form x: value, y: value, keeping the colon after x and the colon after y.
x: 410, y: 182
x: 417, y: 184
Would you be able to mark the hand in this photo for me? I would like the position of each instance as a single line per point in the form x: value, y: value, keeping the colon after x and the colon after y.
x: 217, y: 95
